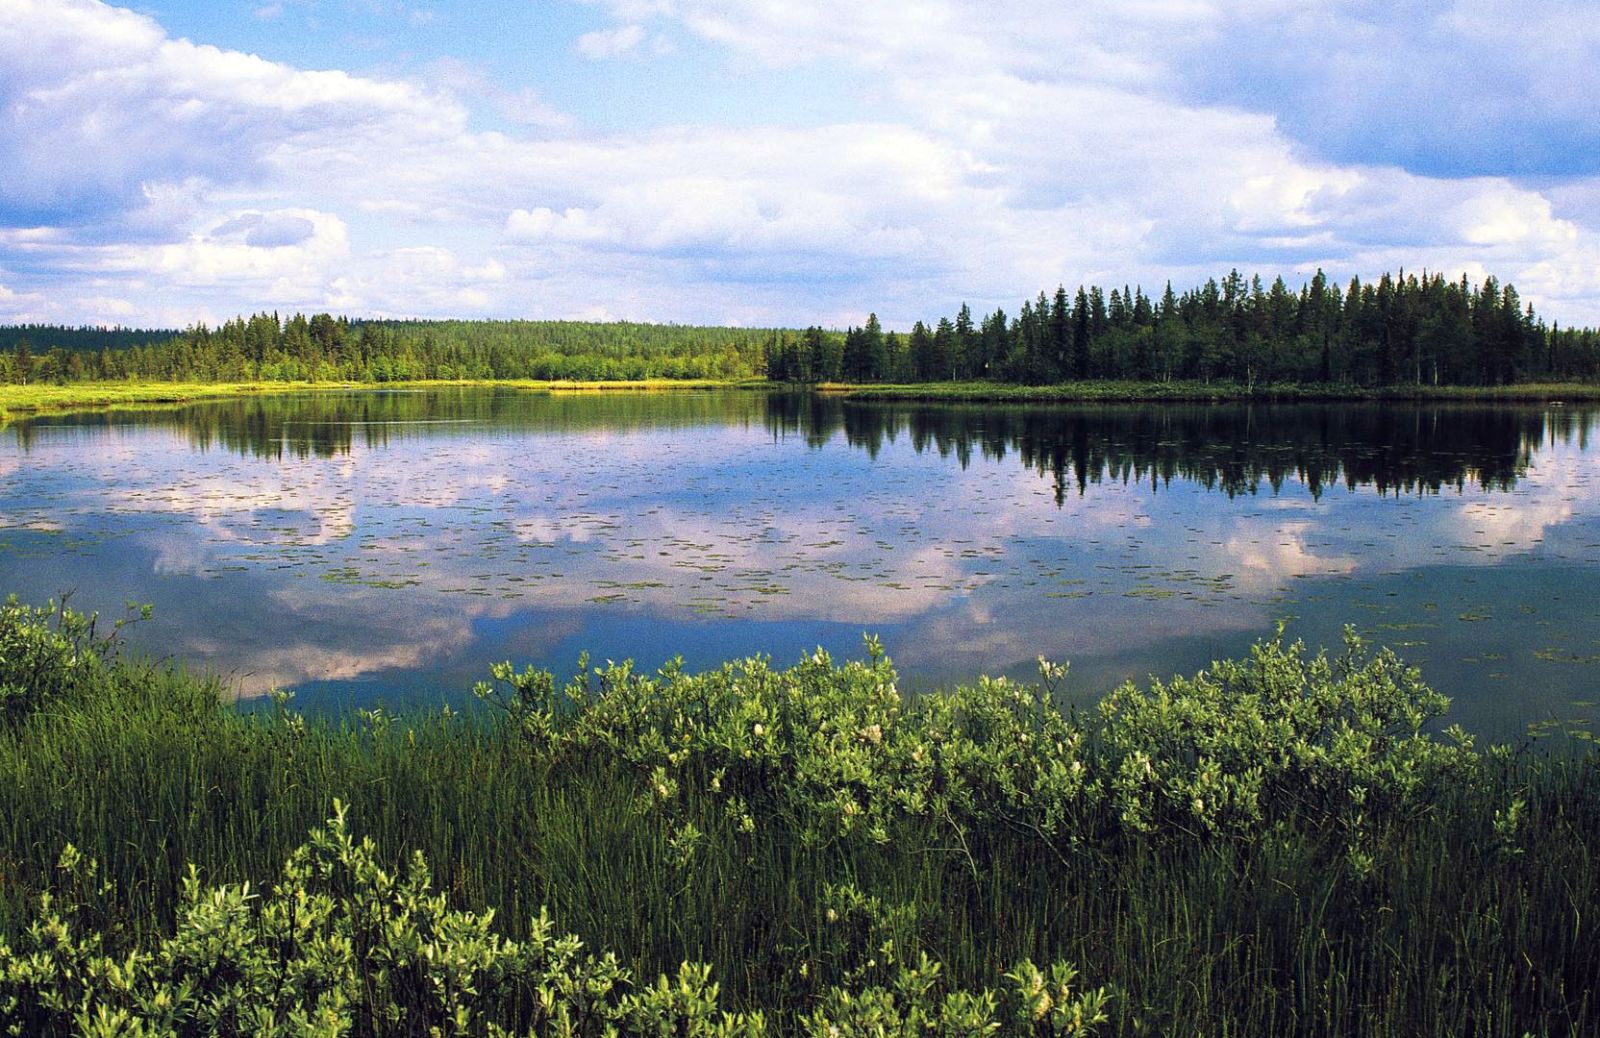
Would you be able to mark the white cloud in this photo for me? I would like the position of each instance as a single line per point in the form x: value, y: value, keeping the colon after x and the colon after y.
x: 610, y: 43
x: 574, y: 225
x: 522, y: 106
x: 248, y: 247
x: 1014, y: 144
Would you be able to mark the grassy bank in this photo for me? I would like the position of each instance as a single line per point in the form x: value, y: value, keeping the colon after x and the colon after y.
x: 1274, y: 847
x: 16, y: 401
x: 24, y: 400
x: 1205, y: 392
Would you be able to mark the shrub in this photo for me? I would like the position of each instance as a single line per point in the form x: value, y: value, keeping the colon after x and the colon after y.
x: 344, y: 947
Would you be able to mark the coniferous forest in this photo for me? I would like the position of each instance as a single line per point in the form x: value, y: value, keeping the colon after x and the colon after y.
x: 1399, y: 330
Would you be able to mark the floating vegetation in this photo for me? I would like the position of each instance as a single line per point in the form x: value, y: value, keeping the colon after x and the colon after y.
x: 1563, y: 656
x: 1080, y: 530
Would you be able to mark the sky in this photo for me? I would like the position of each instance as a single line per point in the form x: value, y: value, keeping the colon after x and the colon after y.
x: 779, y: 162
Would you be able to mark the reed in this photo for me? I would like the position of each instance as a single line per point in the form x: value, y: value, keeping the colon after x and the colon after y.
x: 1281, y: 845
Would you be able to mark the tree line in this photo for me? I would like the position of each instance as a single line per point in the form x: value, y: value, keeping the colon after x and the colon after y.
x: 1400, y: 329
x: 266, y: 347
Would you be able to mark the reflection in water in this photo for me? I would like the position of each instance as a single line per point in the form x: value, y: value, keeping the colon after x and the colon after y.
x: 327, y: 425
x: 382, y: 543
x: 1231, y: 448
x: 1401, y: 447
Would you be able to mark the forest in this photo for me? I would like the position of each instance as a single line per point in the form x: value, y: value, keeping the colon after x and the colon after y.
x: 1399, y: 330
x: 268, y: 348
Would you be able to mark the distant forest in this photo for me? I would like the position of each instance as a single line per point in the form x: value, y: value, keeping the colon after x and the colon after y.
x: 1399, y: 330
x: 322, y: 347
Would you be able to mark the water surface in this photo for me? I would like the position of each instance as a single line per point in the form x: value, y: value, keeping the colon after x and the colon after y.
x: 384, y: 545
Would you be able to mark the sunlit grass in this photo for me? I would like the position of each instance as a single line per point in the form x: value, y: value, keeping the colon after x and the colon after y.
x: 17, y: 400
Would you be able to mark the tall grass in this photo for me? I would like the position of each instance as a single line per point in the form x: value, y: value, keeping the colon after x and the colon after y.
x: 1275, y: 847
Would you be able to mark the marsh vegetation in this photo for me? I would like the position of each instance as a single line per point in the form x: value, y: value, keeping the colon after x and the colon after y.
x: 1276, y: 845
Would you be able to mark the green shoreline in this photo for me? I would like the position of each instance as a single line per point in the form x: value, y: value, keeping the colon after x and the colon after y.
x: 1204, y: 392
x: 1274, y: 846
x: 18, y: 401
x: 96, y: 396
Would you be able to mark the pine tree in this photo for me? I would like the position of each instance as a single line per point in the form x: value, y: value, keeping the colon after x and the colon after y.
x: 1058, y: 356
x: 22, y: 361
x: 966, y: 359
x: 873, y: 353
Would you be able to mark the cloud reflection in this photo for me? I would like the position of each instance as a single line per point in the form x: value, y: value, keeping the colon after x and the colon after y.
x: 974, y: 540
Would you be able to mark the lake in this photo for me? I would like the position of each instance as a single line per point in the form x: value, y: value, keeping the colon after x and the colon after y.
x: 388, y: 546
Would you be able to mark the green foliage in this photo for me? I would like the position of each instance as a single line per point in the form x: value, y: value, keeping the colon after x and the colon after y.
x: 1400, y: 330
x: 344, y: 946
x: 809, y: 841
x: 265, y: 348
x: 836, y: 752
x: 47, y: 652
x: 1238, y: 333
x: 1276, y: 737
x: 1032, y: 1005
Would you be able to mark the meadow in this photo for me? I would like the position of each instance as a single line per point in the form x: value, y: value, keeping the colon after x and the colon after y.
x: 1283, y: 844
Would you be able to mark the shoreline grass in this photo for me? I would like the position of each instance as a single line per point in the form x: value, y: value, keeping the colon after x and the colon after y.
x: 1273, y: 847
x: 1204, y: 392
x: 18, y: 401
x: 27, y: 401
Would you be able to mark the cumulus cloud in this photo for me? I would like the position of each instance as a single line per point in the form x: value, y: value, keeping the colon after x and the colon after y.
x: 100, y: 103
x: 1366, y: 82
x: 1010, y: 145
x: 543, y: 224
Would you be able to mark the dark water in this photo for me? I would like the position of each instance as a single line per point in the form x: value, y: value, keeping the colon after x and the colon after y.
x: 390, y: 546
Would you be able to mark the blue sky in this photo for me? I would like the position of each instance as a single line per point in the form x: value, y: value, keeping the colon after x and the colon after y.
x: 759, y: 161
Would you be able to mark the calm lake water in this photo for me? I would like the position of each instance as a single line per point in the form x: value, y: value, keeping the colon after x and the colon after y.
x: 391, y: 545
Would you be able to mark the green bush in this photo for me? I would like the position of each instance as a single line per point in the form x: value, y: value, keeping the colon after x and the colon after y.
x: 47, y: 652
x: 836, y: 752
x: 1278, y: 737
x: 344, y: 947
x: 1275, y: 845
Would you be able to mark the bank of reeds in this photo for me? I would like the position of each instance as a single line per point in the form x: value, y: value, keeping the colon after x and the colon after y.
x: 1277, y: 846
